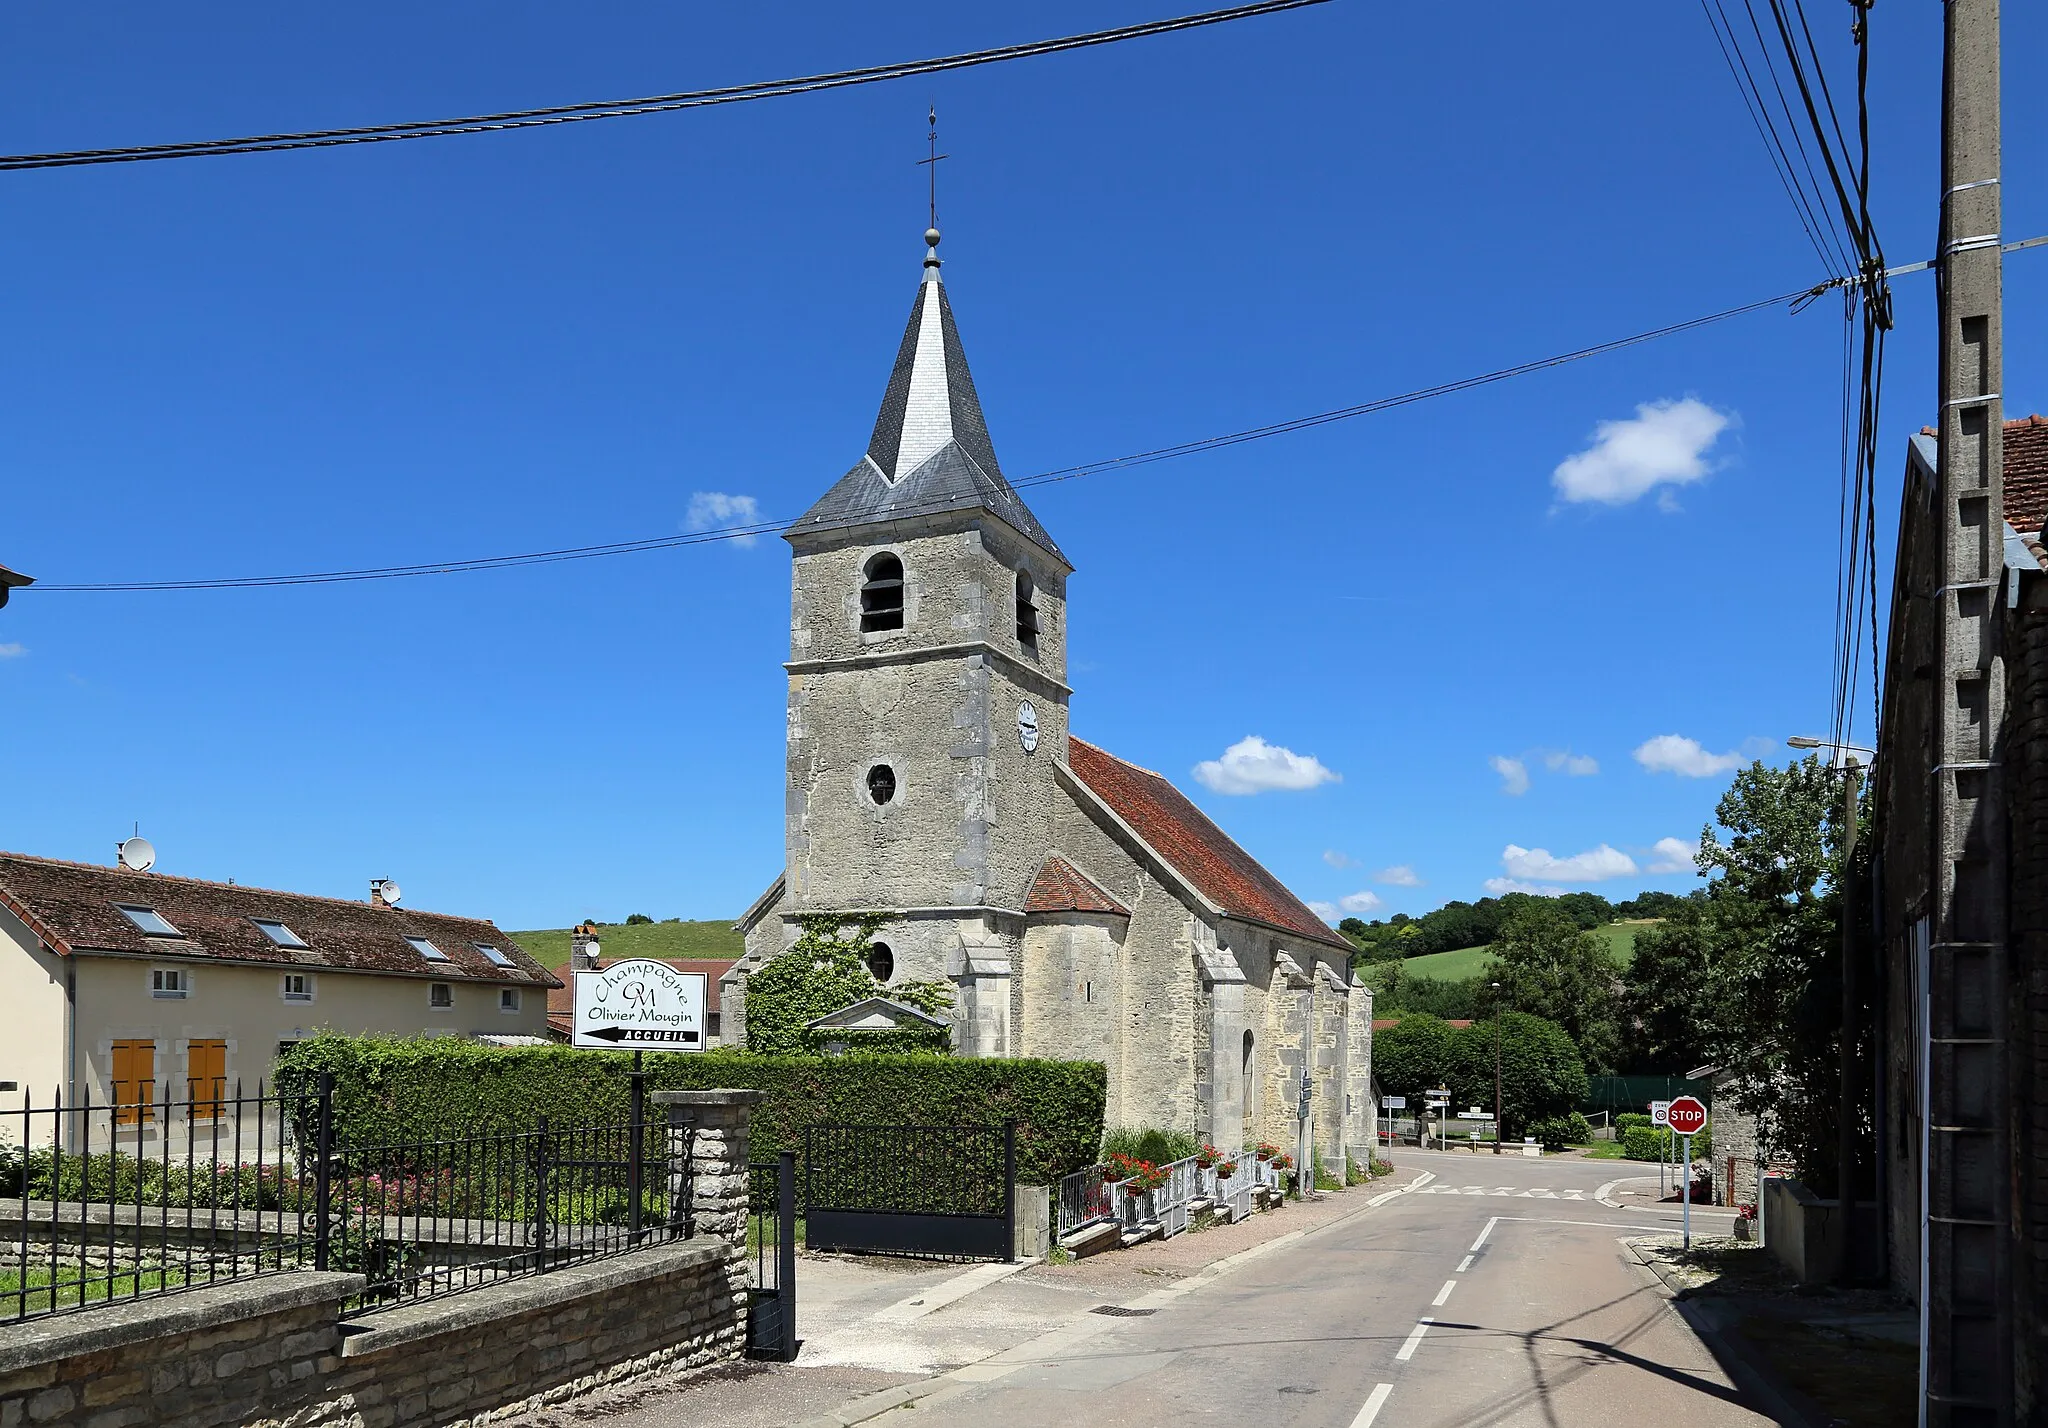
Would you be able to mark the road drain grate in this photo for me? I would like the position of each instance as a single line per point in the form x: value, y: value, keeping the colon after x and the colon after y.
x: 1121, y: 1312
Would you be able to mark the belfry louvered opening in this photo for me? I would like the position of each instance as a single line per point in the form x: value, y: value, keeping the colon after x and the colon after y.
x: 881, y: 595
x: 1027, y: 611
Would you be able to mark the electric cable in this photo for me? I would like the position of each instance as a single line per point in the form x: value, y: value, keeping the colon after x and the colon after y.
x: 1044, y: 478
x: 650, y: 104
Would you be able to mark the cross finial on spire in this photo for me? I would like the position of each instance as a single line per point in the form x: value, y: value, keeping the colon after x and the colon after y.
x: 931, y: 160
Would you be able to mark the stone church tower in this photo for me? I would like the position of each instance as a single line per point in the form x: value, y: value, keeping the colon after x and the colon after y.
x: 927, y: 689
x: 1080, y: 906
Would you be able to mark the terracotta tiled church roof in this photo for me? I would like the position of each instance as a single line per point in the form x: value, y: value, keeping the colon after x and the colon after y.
x: 1062, y: 887
x: 2026, y: 473
x: 76, y: 907
x: 1203, y: 853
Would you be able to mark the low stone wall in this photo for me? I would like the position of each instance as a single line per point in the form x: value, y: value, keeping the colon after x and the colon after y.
x: 276, y: 1351
x: 1808, y: 1235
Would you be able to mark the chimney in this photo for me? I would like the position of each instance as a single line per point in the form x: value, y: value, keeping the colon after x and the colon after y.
x: 377, y: 898
x: 583, y: 949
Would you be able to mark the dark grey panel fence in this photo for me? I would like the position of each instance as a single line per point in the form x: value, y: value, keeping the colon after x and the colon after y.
x: 944, y: 1191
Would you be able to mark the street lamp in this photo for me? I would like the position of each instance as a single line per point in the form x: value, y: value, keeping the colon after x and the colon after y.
x: 1496, y: 1067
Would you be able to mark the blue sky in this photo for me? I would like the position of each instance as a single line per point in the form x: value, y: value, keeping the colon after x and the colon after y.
x: 467, y: 346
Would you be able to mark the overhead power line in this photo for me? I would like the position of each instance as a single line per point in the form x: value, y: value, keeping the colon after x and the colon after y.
x: 1798, y: 300
x: 649, y: 104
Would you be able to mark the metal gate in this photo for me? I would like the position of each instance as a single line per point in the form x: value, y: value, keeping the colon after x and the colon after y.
x: 771, y: 1240
x: 947, y: 1191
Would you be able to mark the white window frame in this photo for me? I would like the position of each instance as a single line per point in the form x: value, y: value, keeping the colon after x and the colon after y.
x: 508, y: 1000
x: 447, y: 1006
x: 181, y: 984
x: 284, y: 988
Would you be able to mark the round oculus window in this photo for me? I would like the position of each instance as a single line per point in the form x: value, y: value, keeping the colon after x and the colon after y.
x: 881, y: 961
x: 881, y: 783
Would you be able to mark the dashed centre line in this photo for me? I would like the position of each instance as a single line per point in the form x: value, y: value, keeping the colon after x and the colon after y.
x: 1464, y: 1264
x: 1374, y: 1402
x: 1443, y: 1294
x: 1407, y: 1350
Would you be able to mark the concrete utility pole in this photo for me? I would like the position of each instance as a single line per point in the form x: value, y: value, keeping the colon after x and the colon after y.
x: 1966, y: 1221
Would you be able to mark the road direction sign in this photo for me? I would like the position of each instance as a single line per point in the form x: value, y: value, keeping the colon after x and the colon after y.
x: 1686, y: 1116
x: 640, y: 1005
x: 1660, y: 1113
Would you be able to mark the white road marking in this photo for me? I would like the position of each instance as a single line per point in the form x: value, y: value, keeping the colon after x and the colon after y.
x: 1374, y: 1402
x: 1484, y: 1233
x: 1408, y: 1349
x: 1464, y: 1264
x: 1443, y: 1294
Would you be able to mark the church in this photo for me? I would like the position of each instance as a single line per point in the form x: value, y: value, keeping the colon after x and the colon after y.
x: 1080, y: 906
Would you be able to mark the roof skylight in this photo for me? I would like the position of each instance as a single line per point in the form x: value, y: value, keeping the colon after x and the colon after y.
x: 277, y: 932
x: 427, y: 949
x: 497, y: 958
x: 148, y: 919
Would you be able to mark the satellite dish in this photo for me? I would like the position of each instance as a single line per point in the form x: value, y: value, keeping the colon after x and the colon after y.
x: 391, y: 892
x: 138, y: 855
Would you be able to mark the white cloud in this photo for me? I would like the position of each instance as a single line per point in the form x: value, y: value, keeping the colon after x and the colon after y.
x: 1571, y: 765
x: 1398, y: 876
x: 13, y: 651
x: 712, y: 510
x: 1327, y: 911
x: 1498, y: 887
x: 1674, y: 753
x: 1339, y: 860
x: 1358, y: 902
x: 1514, y: 775
x: 1673, y: 856
x: 1251, y: 765
x: 1591, y: 866
x: 1664, y: 444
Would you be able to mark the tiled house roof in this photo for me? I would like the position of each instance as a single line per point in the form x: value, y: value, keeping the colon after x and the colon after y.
x: 2026, y: 473
x: 1202, y: 853
x: 76, y: 907
x: 1062, y: 887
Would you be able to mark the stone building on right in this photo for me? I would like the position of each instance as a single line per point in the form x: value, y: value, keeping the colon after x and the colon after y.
x: 1941, y: 1039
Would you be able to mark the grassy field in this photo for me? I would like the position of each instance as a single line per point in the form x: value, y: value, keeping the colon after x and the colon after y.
x: 647, y: 939
x: 1456, y: 966
x: 37, y: 1282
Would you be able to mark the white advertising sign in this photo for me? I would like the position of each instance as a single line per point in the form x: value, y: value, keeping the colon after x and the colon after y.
x: 1396, y: 1103
x: 640, y: 1005
x: 1660, y: 1113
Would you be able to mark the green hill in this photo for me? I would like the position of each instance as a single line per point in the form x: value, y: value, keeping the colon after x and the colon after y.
x: 1465, y: 962
x: 646, y: 939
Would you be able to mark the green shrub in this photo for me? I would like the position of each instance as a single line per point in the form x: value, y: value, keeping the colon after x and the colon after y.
x: 1161, y: 1147
x: 1647, y: 1142
x: 389, y: 1090
x: 1630, y: 1118
x: 1556, y: 1132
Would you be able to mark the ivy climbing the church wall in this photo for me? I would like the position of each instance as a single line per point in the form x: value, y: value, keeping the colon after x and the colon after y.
x: 826, y: 970
x: 388, y: 1090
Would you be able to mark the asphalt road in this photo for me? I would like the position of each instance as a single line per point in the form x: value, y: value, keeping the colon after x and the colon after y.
x: 1498, y: 1295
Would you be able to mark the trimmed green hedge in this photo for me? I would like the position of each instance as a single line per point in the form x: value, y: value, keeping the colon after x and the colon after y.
x: 1648, y: 1142
x: 391, y: 1090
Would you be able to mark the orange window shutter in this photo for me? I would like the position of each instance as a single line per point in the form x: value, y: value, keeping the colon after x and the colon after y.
x: 134, y: 1081
x: 206, y: 1067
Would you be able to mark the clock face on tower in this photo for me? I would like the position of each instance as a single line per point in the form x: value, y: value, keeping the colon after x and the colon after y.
x: 1027, y: 726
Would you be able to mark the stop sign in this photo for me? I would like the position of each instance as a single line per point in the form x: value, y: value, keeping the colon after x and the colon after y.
x: 1687, y: 1116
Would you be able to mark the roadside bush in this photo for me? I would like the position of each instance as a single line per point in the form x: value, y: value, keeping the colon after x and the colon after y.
x: 388, y: 1090
x: 1556, y: 1132
x: 1648, y: 1142
x: 1630, y: 1118
x: 1541, y: 1073
x: 1149, y: 1143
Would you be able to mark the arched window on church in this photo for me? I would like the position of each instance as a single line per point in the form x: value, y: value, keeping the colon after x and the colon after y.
x: 881, y: 594
x: 1027, y: 611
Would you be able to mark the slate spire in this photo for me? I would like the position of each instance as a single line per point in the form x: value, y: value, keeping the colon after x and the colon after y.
x: 930, y: 451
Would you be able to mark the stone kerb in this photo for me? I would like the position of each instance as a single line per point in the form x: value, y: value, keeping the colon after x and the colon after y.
x: 707, y: 1154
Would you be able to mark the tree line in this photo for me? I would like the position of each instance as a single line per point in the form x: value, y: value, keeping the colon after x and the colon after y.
x: 1474, y: 924
x: 1743, y: 975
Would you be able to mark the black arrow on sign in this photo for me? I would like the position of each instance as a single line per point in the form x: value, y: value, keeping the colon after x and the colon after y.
x: 620, y: 1033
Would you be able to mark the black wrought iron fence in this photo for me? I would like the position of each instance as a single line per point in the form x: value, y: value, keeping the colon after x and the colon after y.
x: 148, y: 1195
x: 934, y: 1190
x: 771, y: 1242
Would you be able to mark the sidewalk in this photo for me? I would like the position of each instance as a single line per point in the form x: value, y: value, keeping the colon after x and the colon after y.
x: 1819, y: 1355
x: 871, y: 1323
